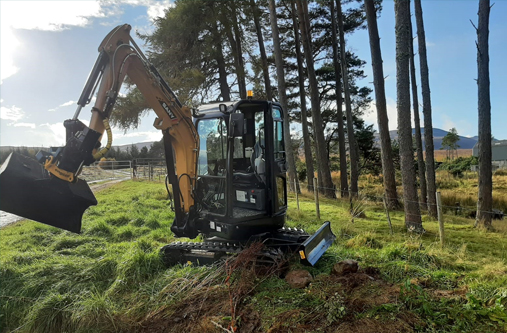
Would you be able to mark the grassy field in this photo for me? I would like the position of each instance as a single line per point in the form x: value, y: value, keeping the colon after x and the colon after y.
x: 441, y: 155
x: 110, y: 278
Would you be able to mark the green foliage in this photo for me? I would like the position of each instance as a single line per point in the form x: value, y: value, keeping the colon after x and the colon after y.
x: 458, y: 315
x: 450, y: 142
x: 459, y: 165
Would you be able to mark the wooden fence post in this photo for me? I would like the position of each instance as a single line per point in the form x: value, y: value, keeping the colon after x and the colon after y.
x: 316, y: 192
x: 297, y: 194
x: 440, y: 219
x: 387, y: 214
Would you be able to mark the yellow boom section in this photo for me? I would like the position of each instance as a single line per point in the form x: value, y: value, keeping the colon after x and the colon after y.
x: 172, y: 118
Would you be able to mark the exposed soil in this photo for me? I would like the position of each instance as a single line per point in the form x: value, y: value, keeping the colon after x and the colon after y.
x: 210, y: 311
x: 103, y: 186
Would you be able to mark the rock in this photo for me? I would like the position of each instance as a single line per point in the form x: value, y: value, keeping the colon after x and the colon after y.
x: 345, y: 267
x: 299, y: 279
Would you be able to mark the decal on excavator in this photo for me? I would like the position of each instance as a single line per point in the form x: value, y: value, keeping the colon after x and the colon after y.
x: 167, y: 109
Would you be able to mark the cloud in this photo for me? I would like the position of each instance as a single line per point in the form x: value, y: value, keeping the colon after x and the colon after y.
x: 69, y: 103
x: 13, y: 113
x: 463, y: 127
x: 370, y: 116
x: 31, y: 125
x: 58, y: 16
x: 52, y: 134
x: 139, y: 136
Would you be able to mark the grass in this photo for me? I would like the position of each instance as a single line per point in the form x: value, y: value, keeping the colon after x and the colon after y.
x: 110, y: 278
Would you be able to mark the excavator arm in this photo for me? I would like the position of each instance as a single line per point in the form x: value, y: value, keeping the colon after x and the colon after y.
x: 54, y: 195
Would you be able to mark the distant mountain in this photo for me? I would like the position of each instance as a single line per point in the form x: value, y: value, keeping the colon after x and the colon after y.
x: 438, y: 135
x: 139, y: 145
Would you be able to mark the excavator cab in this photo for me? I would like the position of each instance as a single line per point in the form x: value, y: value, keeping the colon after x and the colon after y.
x: 241, y: 182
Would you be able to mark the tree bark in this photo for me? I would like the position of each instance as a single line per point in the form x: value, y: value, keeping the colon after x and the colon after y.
x: 320, y: 142
x: 239, y: 51
x: 344, y: 186
x: 412, y: 213
x: 262, y: 50
x: 310, y: 173
x: 222, y: 72
x: 280, y: 73
x: 421, y: 168
x: 485, y: 198
x: 428, y: 124
x: 388, y: 170
x: 353, y: 149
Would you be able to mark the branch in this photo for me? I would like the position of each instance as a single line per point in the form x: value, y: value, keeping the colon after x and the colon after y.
x: 473, y: 25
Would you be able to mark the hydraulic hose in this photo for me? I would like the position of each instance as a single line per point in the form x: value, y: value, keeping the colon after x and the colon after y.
x: 104, y: 150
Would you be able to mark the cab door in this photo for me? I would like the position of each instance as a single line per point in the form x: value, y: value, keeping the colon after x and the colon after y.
x: 278, y: 167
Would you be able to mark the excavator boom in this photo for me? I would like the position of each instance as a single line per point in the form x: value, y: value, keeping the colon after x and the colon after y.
x: 49, y: 191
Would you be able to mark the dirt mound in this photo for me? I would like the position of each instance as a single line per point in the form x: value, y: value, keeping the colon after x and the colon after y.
x: 359, y: 302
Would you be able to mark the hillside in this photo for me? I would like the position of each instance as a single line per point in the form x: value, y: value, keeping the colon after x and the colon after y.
x: 438, y: 135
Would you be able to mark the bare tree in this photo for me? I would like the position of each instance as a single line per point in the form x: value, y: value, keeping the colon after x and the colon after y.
x: 380, y: 102
x: 421, y: 168
x: 262, y: 49
x: 353, y: 149
x: 485, y: 199
x: 280, y: 73
x: 320, y: 142
x: 344, y: 186
x: 428, y: 124
x: 412, y: 213
x: 302, y: 97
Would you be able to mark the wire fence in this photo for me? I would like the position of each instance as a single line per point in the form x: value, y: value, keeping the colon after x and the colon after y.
x: 369, y: 196
x: 149, y: 169
x: 106, y: 171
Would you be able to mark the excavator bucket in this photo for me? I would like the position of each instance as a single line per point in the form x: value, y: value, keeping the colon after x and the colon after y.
x: 317, y: 244
x: 27, y: 190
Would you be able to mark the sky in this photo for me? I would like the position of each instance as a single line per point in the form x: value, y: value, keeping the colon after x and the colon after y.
x: 49, y: 47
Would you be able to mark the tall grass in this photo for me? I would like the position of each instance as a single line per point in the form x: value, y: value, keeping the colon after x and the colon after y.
x: 110, y: 278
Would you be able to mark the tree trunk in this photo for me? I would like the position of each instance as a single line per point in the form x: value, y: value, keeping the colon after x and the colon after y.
x: 353, y: 149
x: 239, y: 51
x: 380, y: 101
x: 234, y: 51
x: 320, y: 142
x: 289, y: 153
x: 421, y: 168
x: 428, y: 124
x: 310, y: 173
x: 485, y: 199
x: 222, y: 72
x: 262, y: 49
x: 412, y: 213
x: 344, y: 186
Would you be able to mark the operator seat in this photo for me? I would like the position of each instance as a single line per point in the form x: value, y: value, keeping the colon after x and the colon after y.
x: 255, y: 174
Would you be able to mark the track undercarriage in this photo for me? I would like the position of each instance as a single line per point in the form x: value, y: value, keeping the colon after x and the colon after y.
x: 284, y: 241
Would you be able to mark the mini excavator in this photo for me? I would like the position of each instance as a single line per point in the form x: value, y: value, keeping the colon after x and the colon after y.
x: 225, y: 163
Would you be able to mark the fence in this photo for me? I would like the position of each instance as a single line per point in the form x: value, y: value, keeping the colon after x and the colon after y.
x: 106, y: 170
x: 149, y: 168
x: 361, y: 196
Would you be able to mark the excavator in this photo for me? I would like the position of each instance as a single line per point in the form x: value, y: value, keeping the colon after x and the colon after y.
x: 225, y: 163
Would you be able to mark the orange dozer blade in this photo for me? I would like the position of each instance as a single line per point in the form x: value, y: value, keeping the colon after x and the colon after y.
x: 27, y: 190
